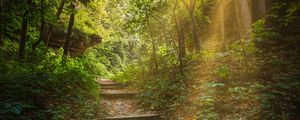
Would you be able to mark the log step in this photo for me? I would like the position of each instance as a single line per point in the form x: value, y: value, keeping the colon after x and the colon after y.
x: 137, y: 117
x: 110, y: 84
x: 119, y: 94
x: 112, y: 87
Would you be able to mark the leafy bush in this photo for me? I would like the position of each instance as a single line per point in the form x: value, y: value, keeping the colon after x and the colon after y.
x: 162, y: 90
x: 54, y: 87
x: 253, y: 79
x: 163, y: 95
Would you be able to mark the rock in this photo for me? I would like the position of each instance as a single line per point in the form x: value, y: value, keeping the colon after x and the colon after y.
x: 79, y: 41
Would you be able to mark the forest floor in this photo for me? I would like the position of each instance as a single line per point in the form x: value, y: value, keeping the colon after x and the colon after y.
x: 204, y: 73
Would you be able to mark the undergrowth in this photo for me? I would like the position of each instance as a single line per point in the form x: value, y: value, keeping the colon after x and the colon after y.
x: 50, y: 87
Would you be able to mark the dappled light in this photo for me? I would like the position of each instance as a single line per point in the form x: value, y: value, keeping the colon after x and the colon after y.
x: 225, y: 84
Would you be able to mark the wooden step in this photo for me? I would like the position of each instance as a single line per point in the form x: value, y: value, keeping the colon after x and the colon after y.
x: 136, y: 117
x: 110, y: 84
x: 118, y: 94
x: 113, y: 87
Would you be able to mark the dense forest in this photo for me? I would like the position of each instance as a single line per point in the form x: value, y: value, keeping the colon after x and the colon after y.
x: 188, y: 59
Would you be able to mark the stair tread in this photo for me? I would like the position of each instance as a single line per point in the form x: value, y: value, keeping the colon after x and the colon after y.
x: 121, y: 93
x: 112, y: 87
x: 133, y: 116
x: 106, y: 82
x: 118, y: 94
x: 111, y: 84
x: 118, y: 91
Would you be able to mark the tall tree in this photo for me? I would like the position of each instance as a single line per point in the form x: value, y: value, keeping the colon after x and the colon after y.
x: 22, y: 42
x: 58, y: 13
x: 154, y: 54
x: 191, y: 8
x: 1, y: 19
x: 42, y: 27
x: 70, y: 28
x: 180, y: 34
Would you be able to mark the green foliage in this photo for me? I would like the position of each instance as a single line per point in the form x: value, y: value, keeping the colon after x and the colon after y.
x: 53, y: 87
x: 284, y: 17
x: 139, y: 13
x: 162, y: 90
x: 163, y: 95
x: 255, y: 78
x: 280, y: 96
x: 105, y: 60
x: 207, y: 100
x: 130, y: 73
x: 279, y: 99
x: 260, y: 32
x: 223, y: 71
x: 227, y: 89
x: 290, y: 13
x: 93, y: 19
x: 45, y: 84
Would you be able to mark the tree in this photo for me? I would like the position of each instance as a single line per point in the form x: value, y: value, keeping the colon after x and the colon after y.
x: 22, y: 42
x: 179, y: 28
x: 58, y: 13
x: 191, y: 8
x: 70, y: 28
x: 154, y: 54
x: 42, y: 27
x: 1, y: 19
x: 71, y: 24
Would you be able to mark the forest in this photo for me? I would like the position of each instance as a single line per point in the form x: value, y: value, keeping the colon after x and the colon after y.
x: 150, y: 60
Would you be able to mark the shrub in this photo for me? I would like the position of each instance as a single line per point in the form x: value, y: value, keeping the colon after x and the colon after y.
x: 53, y: 87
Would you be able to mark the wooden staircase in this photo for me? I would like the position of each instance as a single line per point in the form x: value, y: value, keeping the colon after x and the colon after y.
x: 120, y: 103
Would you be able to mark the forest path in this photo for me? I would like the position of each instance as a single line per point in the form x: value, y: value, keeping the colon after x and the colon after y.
x: 119, y: 103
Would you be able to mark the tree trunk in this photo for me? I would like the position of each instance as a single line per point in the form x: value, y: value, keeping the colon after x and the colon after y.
x: 180, y: 40
x: 194, y: 30
x: 70, y: 27
x: 191, y: 8
x: 41, y: 27
x: 58, y: 13
x: 243, y: 17
x: 1, y: 19
x: 153, y: 50
x: 154, y: 53
x: 254, y: 10
x: 222, y: 22
x: 22, y: 42
x: 258, y: 9
x: 23, y: 37
x: 203, y: 12
x: 268, y: 5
